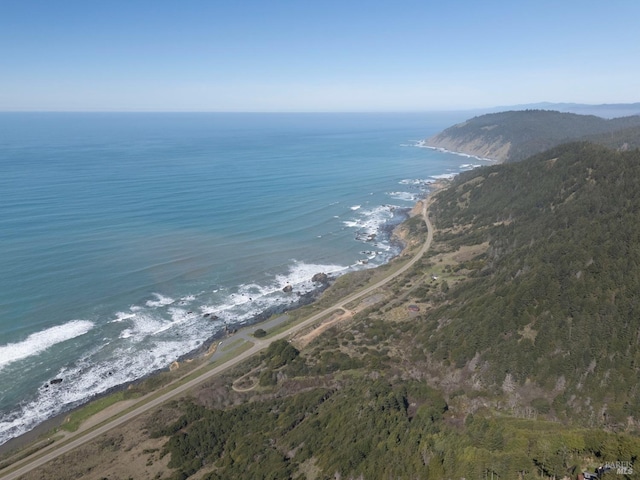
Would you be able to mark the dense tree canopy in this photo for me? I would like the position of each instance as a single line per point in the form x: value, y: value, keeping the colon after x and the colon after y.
x: 563, y: 265
x: 540, y: 344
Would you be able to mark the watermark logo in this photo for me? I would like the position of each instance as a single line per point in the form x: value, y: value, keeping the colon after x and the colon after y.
x: 621, y: 468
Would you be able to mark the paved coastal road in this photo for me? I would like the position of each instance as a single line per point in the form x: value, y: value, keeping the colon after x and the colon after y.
x: 40, y: 458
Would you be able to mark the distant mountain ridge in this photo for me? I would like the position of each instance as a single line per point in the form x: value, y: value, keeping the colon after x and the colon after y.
x: 515, y: 135
x: 605, y: 110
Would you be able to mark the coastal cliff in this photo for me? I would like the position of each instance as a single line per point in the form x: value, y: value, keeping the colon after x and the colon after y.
x: 515, y: 135
x: 475, y: 145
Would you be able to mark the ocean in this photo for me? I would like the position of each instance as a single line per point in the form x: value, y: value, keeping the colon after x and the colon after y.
x: 119, y: 232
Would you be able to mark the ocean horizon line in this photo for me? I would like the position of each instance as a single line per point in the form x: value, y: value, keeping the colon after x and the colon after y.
x: 276, y: 112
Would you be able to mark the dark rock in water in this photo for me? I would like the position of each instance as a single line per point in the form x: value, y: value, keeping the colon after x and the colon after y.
x: 320, y: 278
x: 287, y: 289
x: 55, y: 381
x: 206, y: 315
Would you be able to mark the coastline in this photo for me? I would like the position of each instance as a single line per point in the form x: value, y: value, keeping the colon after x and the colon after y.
x: 423, y: 144
x: 50, y: 428
x: 295, y: 300
x: 37, y: 455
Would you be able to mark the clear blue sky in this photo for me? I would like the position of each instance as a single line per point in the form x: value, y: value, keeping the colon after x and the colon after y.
x: 320, y: 55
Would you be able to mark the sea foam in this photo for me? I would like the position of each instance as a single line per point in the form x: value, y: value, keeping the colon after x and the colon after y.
x: 444, y: 176
x: 40, y: 341
x: 160, y: 301
x: 404, y: 196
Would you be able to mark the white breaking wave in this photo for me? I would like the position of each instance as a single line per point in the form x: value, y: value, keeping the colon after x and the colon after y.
x: 40, y: 341
x: 251, y: 299
x: 87, y: 378
x: 142, y: 325
x: 300, y: 275
x: 121, y: 316
x: 405, y: 196
x: 160, y: 301
x: 370, y: 223
x: 444, y: 176
x: 416, y: 182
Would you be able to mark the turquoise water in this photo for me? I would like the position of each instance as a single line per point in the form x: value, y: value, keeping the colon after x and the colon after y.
x: 120, y: 232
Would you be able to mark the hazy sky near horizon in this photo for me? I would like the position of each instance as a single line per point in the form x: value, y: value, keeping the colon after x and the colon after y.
x: 298, y: 55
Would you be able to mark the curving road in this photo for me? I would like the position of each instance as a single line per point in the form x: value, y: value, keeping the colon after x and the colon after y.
x: 55, y: 450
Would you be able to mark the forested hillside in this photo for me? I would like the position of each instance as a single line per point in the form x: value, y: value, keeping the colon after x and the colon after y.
x: 510, y: 351
x: 516, y: 135
x: 625, y: 139
x: 522, y: 362
x: 554, y: 301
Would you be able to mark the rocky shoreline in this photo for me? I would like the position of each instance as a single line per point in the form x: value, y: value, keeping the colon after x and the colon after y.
x: 323, y: 281
x: 45, y: 428
x: 497, y: 151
